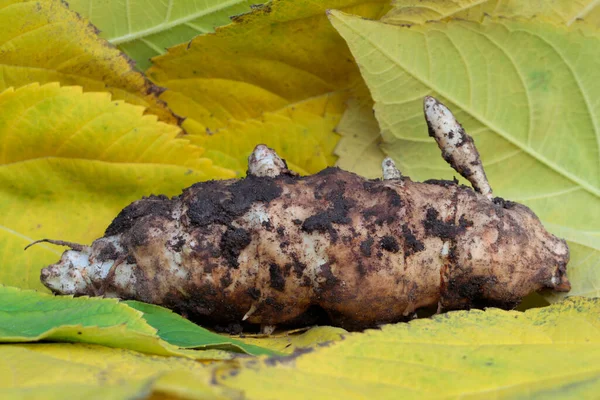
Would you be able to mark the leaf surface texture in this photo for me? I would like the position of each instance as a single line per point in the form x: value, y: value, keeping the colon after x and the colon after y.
x: 551, y: 352
x: 43, y: 41
x: 70, y: 161
x: 561, y: 11
x: 28, y: 316
x: 145, y: 29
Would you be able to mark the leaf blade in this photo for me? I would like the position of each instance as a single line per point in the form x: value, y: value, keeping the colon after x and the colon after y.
x: 475, y: 354
x: 45, y: 42
x: 29, y: 316
x: 145, y: 29
x: 79, y: 158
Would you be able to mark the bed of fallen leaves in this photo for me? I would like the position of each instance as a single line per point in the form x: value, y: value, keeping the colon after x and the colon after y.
x: 102, y: 102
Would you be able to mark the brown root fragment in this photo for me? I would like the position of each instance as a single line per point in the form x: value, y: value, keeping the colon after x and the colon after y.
x: 72, y: 245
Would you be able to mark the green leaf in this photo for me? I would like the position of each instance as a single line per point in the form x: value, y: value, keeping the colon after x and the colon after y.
x: 551, y: 352
x: 525, y: 90
x: 179, y: 331
x: 29, y: 316
x: 145, y: 29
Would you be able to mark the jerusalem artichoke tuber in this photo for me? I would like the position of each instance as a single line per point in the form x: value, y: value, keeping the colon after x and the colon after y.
x: 271, y: 246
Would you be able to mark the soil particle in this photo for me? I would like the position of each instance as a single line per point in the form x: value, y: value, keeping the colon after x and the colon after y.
x: 254, y: 293
x: 233, y: 241
x: 267, y: 225
x: 144, y: 230
x: 270, y: 301
x: 215, y: 202
x: 507, y: 204
x: 365, y: 246
x: 386, y: 213
x: 276, y: 277
x: 330, y: 279
x: 444, y: 230
x: 153, y: 205
x: 336, y: 214
x: 389, y: 243
x: 298, y: 267
x: 108, y: 252
x: 177, y: 245
x: 412, y: 245
x: 233, y: 328
x: 362, y: 270
x: 442, y: 182
x: 226, y: 280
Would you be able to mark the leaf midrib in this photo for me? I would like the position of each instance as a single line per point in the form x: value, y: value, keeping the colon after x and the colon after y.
x: 28, y: 239
x: 170, y: 24
x: 557, y: 168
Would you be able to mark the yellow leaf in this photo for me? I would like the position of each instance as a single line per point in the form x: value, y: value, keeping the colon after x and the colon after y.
x: 70, y: 161
x: 531, y: 112
x: 278, y: 59
x: 563, y: 11
x: 301, y: 133
x: 551, y: 352
x: 288, y: 342
x: 279, y: 54
x: 59, y: 371
x: 358, y: 149
x: 42, y: 41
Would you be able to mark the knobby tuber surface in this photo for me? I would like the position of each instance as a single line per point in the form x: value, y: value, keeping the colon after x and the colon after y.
x: 273, y: 247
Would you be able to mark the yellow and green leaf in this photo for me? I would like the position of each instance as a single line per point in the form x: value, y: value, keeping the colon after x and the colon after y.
x: 278, y: 55
x: 359, y: 147
x: 292, y: 341
x: 560, y: 11
x: 145, y: 29
x: 532, y: 112
x: 70, y: 161
x: 303, y: 134
x: 86, y: 371
x: 43, y: 41
x: 31, y: 316
x: 248, y: 79
x: 551, y: 352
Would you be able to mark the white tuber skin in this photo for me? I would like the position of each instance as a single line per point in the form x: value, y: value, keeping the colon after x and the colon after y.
x: 274, y: 247
x: 265, y: 162
x: 457, y: 147
x: 389, y: 169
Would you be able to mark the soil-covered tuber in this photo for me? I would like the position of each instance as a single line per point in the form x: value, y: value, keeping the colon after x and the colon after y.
x: 273, y: 247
